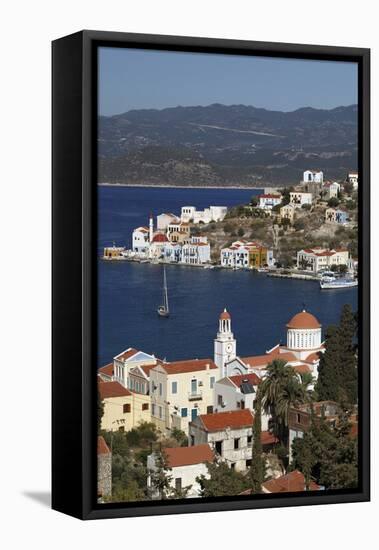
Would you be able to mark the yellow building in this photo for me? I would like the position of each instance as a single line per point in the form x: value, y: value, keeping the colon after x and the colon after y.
x: 181, y: 391
x: 113, y: 251
x: 258, y: 256
x: 178, y: 232
x: 123, y: 409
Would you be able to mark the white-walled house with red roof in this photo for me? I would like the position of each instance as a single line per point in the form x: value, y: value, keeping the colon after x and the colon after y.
x: 267, y: 201
x: 319, y: 259
x: 185, y: 465
x: 230, y: 435
x: 180, y: 391
x: 140, y: 240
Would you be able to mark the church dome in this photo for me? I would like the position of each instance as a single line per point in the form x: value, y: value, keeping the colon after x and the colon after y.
x: 303, y: 320
x: 225, y: 315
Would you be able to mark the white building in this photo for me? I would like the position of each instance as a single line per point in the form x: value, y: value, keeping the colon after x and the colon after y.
x: 208, y: 215
x: 140, y: 240
x: 195, y: 252
x: 230, y: 435
x: 244, y: 254
x: 164, y: 219
x: 312, y: 176
x: 225, y: 345
x: 238, y: 392
x: 331, y: 190
x: 352, y: 177
x: 319, y: 259
x: 298, y: 199
x: 185, y: 464
x: 269, y: 200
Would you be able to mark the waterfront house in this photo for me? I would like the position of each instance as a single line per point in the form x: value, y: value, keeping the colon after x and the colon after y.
x: 208, y: 215
x: 287, y: 212
x: 123, y: 409
x: 244, y: 254
x: 196, y: 252
x: 164, y: 219
x: 230, y: 434
x: 140, y: 240
x: 299, y: 199
x: 330, y: 190
x: 158, y: 245
x: 104, y: 469
x: 320, y: 259
x: 172, y: 252
x: 336, y: 215
x: 180, y: 391
x: 113, y: 252
x: 268, y: 200
x: 352, y: 177
x: 185, y: 465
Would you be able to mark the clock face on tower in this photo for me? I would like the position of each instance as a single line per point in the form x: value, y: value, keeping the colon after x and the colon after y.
x: 229, y: 348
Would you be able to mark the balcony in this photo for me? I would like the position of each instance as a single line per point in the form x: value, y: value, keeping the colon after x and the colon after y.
x: 195, y: 396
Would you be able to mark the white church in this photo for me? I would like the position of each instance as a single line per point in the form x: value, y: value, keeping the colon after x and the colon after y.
x: 304, y: 343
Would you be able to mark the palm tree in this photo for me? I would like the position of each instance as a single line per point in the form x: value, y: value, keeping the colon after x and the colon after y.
x: 282, y: 389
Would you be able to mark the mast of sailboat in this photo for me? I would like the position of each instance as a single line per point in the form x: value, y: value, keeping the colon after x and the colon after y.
x: 165, y: 295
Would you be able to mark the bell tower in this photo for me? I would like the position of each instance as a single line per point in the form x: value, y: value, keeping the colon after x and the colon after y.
x: 224, y: 345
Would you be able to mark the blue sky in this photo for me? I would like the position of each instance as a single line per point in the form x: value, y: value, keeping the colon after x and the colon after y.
x: 143, y: 79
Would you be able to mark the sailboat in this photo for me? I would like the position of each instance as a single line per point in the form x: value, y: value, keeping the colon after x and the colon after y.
x: 163, y: 310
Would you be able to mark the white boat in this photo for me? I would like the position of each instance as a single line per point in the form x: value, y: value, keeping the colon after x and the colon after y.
x: 163, y: 310
x: 329, y: 283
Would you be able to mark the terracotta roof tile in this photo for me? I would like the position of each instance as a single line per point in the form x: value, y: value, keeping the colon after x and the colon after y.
x: 267, y: 438
x: 191, y: 365
x: 184, y: 456
x: 239, y: 378
x: 229, y: 419
x: 126, y: 354
x: 112, y: 389
x: 107, y: 370
x: 289, y: 483
x: 303, y: 320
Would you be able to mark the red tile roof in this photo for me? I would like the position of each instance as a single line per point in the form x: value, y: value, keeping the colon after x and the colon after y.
x: 267, y: 438
x: 112, y: 389
x: 230, y: 419
x: 303, y: 320
x: 184, y: 456
x: 160, y: 238
x: 225, y: 315
x: 107, y: 370
x: 290, y: 483
x: 239, y: 378
x: 126, y: 354
x: 302, y: 369
x: 264, y: 360
x: 313, y: 357
x: 102, y: 447
x: 191, y: 365
x: 269, y: 196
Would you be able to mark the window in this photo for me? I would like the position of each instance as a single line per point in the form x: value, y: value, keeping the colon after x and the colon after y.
x: 242, y: 404
x: 248, y: 463
x: 152, y: 387
x: 174, y: 387
x: 121, y: 429
x: 218, y: 447
x: 298, y: 418
x: 145, y: 406
x: 237, y: 443
x: 238, y: 404
x: 153, y: 409
x: 126, y: 408
x: 233, y: 465
x: 160, y: 388
x: 192, y: 440
x: 178, y: 484
x: 160, y: 412
x: 210, y: 409
x: 219, y: 400
x: 184, y: 412
x: 193, y: 414
x: 249, y: 439
x: 194, y: 386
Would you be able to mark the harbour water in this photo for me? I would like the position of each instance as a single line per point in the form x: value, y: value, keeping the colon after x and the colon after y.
x: 129, y: 293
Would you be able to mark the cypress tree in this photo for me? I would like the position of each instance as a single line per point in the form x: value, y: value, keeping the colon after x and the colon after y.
x: 348, y: 364
x: 328, y: 369
x: 257, y: 470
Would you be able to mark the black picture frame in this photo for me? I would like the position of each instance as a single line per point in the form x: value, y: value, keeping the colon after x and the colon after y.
x: 74, y: 130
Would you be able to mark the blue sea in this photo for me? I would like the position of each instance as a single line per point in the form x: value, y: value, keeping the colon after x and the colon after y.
x: 129, y: 293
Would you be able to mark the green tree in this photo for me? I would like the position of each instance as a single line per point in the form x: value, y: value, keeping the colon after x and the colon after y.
x: 240, y: 232
x: 254, y: 200
x: 223, y: 481
x: 258, y: 464
x: 280, y: 390
x: 332, y: 202
x: 160, y: 477
x: 337, y: 379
